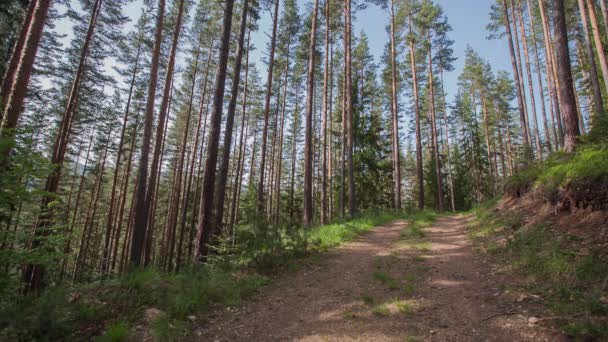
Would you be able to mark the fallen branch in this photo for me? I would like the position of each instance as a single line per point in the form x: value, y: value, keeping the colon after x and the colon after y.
x: 499, y: 314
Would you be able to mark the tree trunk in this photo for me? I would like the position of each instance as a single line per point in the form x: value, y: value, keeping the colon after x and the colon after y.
x: 205, y: 221
x: 520, y: 75
x: 349, y: 113
x: 520, y: 101
x: 241, y: 156
x: 419, y: 170
x: 141, y: 207
x: 19, y: 70
x: 220, y: 192
x: 435, y: 143
x: 324, y: 179
x: 308, y: 147
x: 539, y: 148
x: 273, y: 41
x: 597, y: 38
x: 110, y: 219
x: 33, y: 274
x: 568, y: 103
x: 395, y: 116
x: 539, y: 77
x: 447, y: 145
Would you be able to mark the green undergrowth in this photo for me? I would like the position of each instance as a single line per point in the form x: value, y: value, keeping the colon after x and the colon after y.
x: 570, y: 280
x: 575, y: 177
x: 115, y: 309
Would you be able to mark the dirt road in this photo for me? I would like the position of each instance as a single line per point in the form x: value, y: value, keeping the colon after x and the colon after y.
x: 388, y: 287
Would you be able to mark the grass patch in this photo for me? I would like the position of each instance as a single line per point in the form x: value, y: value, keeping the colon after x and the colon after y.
x: 117, y: 332
x: 568, y: 279
x: 367, y: 299
x: 381, y: 310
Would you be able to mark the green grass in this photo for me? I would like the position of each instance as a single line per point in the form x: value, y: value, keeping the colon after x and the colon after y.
x: 568, y: 279
x: 565, y: 175
x: 381, y: 310
x: 105, y: 310
x: 325, y: 237
x: 367, y: 299
x: 118, y: 332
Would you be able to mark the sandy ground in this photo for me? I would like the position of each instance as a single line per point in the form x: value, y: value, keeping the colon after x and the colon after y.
x: 383, y: 288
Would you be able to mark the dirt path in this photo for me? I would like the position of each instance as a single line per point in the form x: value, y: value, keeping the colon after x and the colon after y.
x: 385, y: 288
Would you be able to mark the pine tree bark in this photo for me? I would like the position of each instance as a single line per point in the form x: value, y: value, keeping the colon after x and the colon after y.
x: 19, y: 71
x: 539, y: 76
x: 151, y: 188
x: 111, y: 206
x: 33, y: 275
x: 220, y: 192
x: 324, y: 179
x: 395, y: 116
x: 524, y: 39
x: 598, y: 103
x: 349, y: 113
x: 308, y: 143
x: 242, y: 139
x: 597, y: 37
x: 419, y: 170
x: 435, y: 143
x: 520, y: 72
x: 141, y: 209
x: 518, y: 88
x: 568, y: 103
x: 273, y: 41
x: 205, y: 221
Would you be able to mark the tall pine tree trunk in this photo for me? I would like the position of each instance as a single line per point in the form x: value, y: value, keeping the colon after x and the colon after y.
x: 520, y: 100
x: 273, y: 41
x: 419, y: 170
x: 140, y: 210
x: 395, y: 116
x: 435, y: 143
x: 308, y: 147
x: 568, y: 103
x: 33, y: 274
x: 205, y: 221
x: 220, y: 192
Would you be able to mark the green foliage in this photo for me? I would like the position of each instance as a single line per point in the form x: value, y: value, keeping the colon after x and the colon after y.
x: 570, y: 281
x: 117, y: 332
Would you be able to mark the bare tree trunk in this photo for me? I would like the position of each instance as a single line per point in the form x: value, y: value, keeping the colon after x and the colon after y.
x: 568, y: 103
x: 33, y: 274
x: 273, y: 41
x: 141, y: 206
x: 220, y: 192
x: 19, y: 70
x: 419, y: 170
x: 524, y: 39
x: 241, y: 157
x: 395, y: 116
x: 308, y: 147
x: 109, y: 227
x: 597, y: 38
x: 349, y: 113
x: 160, y: 128
x: 279, y: 166
x: 324, y: 195
x: 435, y: 143
x: 520, y: 99
x: 539, y: 77
x: 521, y: 74
x: 197, y: 138
x: 205, y: 222
x: 447, y: 145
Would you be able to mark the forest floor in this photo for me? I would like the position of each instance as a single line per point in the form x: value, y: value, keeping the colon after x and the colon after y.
x: 395, y: 283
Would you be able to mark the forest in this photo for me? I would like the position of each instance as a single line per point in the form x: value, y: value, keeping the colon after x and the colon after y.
x: 162, y: 162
